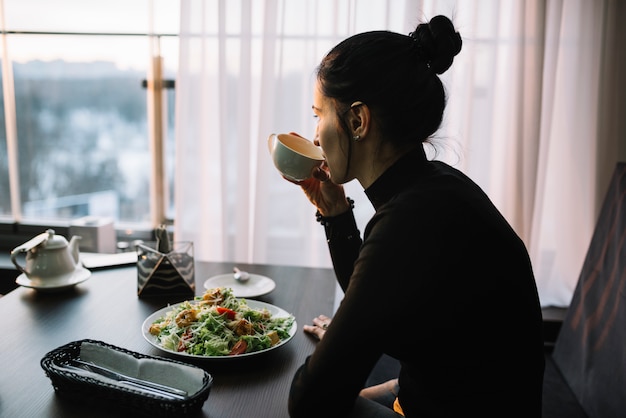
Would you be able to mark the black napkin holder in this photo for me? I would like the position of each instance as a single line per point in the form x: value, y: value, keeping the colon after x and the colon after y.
x: 166, y: 273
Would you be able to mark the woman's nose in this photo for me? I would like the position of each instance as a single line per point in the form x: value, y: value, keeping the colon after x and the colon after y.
x: 316, y: 140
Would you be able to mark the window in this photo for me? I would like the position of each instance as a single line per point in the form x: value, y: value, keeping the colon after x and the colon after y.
x: 80, y: 123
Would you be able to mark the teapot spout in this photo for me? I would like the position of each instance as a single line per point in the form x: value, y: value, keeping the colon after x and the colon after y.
x: 73, y: 247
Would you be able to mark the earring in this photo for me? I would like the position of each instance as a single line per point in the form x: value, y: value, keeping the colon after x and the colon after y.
x: 357, y: 138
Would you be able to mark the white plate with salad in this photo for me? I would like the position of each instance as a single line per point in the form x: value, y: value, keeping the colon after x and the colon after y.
x: 218, y: 325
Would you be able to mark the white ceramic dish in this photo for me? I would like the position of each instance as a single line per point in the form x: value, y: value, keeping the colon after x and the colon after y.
x: 52, y: 284
x: 257, y: 285
x: 254, y: 304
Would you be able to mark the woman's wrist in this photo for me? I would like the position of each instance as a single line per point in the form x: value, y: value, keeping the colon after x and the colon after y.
x: 324, y: 219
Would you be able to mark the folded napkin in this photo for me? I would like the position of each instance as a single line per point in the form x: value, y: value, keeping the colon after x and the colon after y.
x: 180, y: 376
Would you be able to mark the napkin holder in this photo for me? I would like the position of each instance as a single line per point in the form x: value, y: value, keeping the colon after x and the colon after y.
x: 160, y: 273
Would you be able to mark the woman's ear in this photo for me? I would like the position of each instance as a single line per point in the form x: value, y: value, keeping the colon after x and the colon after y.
x: 359, y: 119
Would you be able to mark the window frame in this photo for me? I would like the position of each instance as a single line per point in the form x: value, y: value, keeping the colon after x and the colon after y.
x: 13, y: 230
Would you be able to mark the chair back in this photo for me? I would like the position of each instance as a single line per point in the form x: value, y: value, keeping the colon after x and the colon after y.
x: 590, y: 350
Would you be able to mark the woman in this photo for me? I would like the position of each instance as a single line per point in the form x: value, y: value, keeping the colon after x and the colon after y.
x: 440, y: 281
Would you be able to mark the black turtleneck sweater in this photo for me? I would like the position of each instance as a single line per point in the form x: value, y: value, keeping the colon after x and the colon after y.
x: 440, y: 282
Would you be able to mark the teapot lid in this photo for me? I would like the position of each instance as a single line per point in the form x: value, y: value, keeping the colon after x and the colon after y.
x: 54, y: 241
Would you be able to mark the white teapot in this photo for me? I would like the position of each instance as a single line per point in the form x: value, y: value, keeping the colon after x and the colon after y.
x: 49, y: 257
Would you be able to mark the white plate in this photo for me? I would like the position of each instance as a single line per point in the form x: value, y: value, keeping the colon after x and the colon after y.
x: 254, y: 304
x: 257, y: 285
x: 55, y: 284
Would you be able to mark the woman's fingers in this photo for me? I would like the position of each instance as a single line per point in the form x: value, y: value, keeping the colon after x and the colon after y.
x: 321, y: 321
x: 319, y: 326
x: 320, y: 174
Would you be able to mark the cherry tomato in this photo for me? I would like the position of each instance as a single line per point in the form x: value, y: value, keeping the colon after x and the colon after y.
x: 230, y: 314
x: 239, y: 348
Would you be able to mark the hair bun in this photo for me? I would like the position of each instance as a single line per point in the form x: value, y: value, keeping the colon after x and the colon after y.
x: 438, y: 42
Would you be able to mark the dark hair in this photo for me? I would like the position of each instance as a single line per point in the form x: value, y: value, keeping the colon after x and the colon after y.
x: 395, y: 75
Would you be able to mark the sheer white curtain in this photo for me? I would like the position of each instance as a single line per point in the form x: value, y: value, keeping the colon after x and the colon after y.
x: 534, y: 117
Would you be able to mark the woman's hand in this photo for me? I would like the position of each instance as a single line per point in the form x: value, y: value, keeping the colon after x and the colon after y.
x: 319, y: 328
x: 329, y: 198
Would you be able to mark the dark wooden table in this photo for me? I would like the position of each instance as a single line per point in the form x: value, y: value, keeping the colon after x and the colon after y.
x: 106, y: 308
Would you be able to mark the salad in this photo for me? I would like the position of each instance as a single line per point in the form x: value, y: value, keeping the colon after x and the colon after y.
x: 219, y: 324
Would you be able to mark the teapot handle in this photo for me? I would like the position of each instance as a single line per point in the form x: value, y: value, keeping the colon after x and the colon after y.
x: 27, y: 246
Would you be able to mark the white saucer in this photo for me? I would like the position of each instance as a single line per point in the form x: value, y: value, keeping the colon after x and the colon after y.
x: 257, y: 285
x: 55, y: 284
